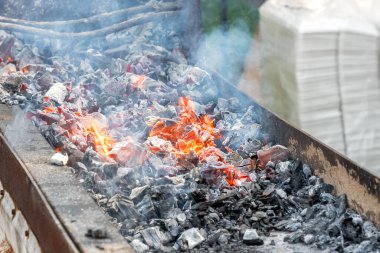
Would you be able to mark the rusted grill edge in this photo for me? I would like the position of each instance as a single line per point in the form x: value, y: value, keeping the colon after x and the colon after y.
x: 57, y: 208
x: 31, y: 202
x: 361, y: 186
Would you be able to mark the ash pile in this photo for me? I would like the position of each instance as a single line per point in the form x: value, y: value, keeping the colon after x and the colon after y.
x: 176, y: 164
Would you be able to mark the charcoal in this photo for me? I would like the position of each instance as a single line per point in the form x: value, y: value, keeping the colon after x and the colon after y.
x: 155, y: 238
x: 181, y: 218
x: 139, y: 246
x: 223, y: 239
x: 103, y: 104
x: 146, y: 208
x: 295, y: 237
x: 252, y: 238
x: 79, y: 167
x: 308, y: 239
x: 190, y: 239
x: 370, y: 231
x: 138, y: 193
x: 128, y: 210
x: 45, y: 80
x: 281, y: 193
x: 6, y: 46
x: 13, y: 81
x: 351, y: 227
x: 173, y: 227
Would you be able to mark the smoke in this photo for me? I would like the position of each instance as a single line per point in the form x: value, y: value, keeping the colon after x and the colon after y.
x: 18, y: 132
x: 225, y: 51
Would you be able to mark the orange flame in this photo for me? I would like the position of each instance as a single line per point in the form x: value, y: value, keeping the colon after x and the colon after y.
x: 191, y: 133
x: 49, y: 109
x: 194, y: 134
x: 102, y: 141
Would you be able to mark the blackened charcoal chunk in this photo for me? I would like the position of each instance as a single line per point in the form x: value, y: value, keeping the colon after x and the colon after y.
x: 172, y: 226
x: 146, y: 207
x: 79, y: 167
x: 341, y: 204
x: 127, y: 209
x: 294, y: 237
x: 189, y: 239
x: 109, y: 170
x: 14, y: 81
x: 138, y: 193
x: 252, y: 238
x: 90, y: 156
x: 307, y: 171
x: 155, y: 238
x: 45, y: 80
x: 297, y: 179
x: 352, y: 227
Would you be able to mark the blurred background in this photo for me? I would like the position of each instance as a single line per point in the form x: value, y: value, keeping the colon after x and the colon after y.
x: 315, y: 63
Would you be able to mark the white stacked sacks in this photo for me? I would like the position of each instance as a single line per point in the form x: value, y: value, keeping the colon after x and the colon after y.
x: 320, y: 72
x: 360, y: 92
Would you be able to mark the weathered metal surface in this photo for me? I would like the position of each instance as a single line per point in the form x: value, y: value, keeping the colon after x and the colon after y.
x: 56, y: 206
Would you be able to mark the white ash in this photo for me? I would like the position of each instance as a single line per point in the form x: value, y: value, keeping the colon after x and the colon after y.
x: 59, y: 159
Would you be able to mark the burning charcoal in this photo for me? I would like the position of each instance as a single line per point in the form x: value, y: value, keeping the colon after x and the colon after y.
x: 59, y: 159
x: 190, y: 239
x: 98, y: 233
x: 128, y: 153
x: 155, y: 238
x: 13, y: 82
x: 57, y: 92
x: 139, y: 246
x: 297, y: 179
x: 252, y: 238
x: 275, y: 154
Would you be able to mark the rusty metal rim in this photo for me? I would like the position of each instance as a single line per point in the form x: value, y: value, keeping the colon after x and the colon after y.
x: 30, y: 200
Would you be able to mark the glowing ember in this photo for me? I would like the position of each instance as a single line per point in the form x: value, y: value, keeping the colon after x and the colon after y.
x: 138, y: 81
x: 25, y: 69
x: 193, y: 134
